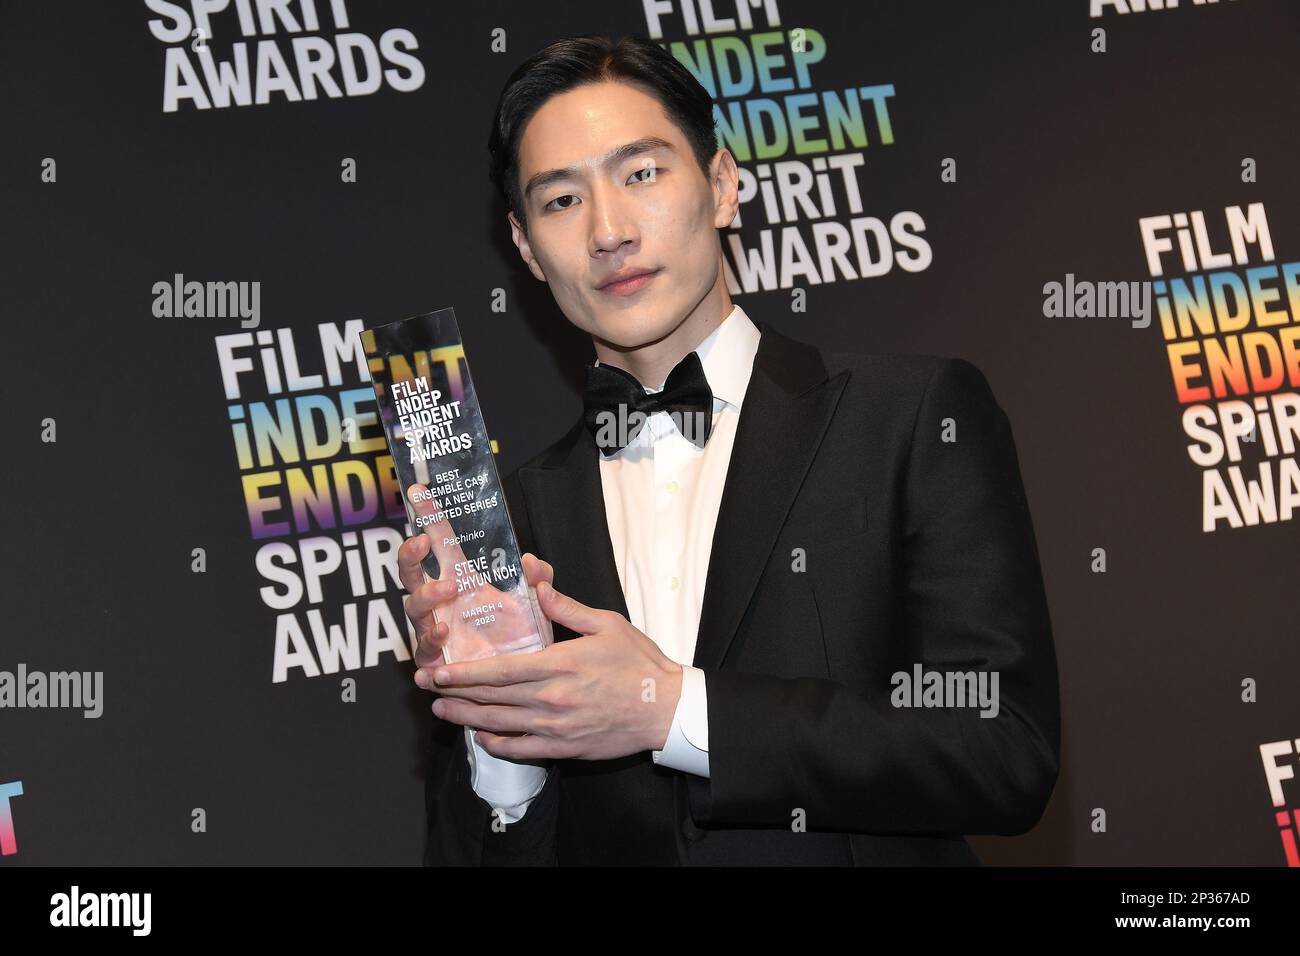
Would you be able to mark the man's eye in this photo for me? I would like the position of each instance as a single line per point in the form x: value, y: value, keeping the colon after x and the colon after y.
x: 652, y: 170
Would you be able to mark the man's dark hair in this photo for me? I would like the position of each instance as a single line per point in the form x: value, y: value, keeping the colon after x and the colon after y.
x: 595, y: 58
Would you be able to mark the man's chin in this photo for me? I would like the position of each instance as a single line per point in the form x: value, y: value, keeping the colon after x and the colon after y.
x: 629, y: 335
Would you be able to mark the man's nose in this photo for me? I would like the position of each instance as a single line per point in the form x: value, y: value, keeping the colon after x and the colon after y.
x: 611, y: 221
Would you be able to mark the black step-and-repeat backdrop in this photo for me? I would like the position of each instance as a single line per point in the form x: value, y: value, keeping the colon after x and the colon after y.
x: 204, y: 657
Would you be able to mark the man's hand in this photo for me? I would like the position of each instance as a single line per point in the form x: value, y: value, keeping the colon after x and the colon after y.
x: 440, y: 593
x: 513, y: 623
x: 608, y: 693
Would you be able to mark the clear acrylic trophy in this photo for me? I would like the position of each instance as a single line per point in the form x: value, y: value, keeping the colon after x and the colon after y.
x: 448, y: 477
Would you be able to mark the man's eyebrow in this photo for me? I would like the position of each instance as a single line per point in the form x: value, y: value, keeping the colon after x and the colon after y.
x: 646, y: 144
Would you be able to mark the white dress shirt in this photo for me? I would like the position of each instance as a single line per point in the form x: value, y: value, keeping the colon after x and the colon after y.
x: 662, y: 554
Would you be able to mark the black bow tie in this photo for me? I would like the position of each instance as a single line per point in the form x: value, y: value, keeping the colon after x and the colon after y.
x: 611, y: 396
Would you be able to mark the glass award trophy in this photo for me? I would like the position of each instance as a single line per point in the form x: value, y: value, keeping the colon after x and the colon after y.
x: 449, y: 483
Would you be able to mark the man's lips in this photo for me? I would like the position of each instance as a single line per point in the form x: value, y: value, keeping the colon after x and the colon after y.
x: 629, y: 285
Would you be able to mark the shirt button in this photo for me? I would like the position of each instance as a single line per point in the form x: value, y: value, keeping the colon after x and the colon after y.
x: 671, y: 487
x: 673, y: 582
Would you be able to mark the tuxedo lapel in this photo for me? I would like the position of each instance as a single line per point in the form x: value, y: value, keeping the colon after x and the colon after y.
x: 787, y: 407
x: 566, y: 507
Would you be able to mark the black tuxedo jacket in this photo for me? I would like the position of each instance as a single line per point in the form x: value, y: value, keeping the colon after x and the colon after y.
x: 914, y: 550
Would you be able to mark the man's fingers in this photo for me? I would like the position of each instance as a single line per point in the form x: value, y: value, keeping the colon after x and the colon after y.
x: 409, y: 556
x: 504, y: 669
x: 536, y: 570
x: 527, y: 747
x: 437, y: 531
x: 571, y: 613
x: 496, y: 718
x: 428, y: 648
x: 428, y: 596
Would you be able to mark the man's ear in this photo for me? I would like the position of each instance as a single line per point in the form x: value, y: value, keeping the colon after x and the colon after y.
x: 724, y: 177
x: 520, y: 240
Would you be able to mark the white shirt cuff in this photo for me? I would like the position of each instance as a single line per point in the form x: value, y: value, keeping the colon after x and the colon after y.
x: 687, y: 746
x: 505, y: 785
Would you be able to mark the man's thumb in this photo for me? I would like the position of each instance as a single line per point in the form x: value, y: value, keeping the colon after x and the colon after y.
x: 567, y: 611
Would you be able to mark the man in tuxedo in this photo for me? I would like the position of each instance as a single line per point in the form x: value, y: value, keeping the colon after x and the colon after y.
x: 747, y: 546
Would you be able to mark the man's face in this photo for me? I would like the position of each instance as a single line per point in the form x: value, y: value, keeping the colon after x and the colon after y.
x: 652, y: 209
